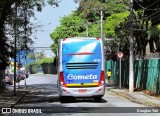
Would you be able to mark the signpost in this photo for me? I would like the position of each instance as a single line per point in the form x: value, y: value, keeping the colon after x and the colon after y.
x: 120, y: 55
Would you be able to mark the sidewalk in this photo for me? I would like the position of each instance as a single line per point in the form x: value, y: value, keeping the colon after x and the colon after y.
x: 8, y: 99
x: 139, y: 97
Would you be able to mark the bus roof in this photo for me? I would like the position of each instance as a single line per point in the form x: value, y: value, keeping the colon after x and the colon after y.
x: 81, y: 38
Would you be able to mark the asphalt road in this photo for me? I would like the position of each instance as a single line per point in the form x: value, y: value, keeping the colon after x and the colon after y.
x: 43, y: 98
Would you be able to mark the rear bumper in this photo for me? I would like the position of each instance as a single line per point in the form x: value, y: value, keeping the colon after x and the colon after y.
x: 8, y: 82
x: 90, y: 91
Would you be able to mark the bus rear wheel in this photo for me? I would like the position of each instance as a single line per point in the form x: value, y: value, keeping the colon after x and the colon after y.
x: 98, y: 99
x: 63, y: 99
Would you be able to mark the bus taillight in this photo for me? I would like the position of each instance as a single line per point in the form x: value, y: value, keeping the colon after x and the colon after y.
x: 61, y: 78
x: 102, y: 77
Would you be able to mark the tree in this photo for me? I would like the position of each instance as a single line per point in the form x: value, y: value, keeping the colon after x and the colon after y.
x: 39, y: 56
x: 4, y: 51
x: 150, y: 9
x: 70, y: 26
x: 150, y: 15
x: 86, y: 15
x: 15, y: 16
x: 143, y: 30
x: 8, y: 19
x: 90, y: 9
x: 112, y: 30
x: 154, y: 37
x: 32, y: 56
x: 114, y: 21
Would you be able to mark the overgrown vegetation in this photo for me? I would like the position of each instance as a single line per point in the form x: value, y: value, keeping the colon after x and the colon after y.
x: 15, y: 23
x: 46, y: 60
x: 34, y: 66
x: 116, y: 15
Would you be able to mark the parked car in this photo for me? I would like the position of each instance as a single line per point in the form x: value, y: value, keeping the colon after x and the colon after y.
x: 8, y: 78
x: 25, y: 72
x: 21, y: 74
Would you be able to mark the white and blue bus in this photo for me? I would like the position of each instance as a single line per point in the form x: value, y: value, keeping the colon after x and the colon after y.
x: 81, y: 70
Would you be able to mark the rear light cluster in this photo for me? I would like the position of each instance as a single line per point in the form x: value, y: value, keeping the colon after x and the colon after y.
x: 64, y: 39
x: 102, y: 77
x: 62, y: 80
x: 101, y: 82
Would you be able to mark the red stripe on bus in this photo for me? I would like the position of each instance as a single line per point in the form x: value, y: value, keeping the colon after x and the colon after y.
x: 81, y: 53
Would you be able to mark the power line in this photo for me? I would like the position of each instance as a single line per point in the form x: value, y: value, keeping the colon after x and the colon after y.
x: 154, y: 13
x: 155, y: 17
x: 152, y: 4
x: 126, y: 2
x: 156, y: 21
x: 39, y: 47
x: 42, y: 49
x: 145, y: 8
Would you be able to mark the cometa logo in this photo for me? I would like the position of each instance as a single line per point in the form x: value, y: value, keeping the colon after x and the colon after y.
x: 79, y: 77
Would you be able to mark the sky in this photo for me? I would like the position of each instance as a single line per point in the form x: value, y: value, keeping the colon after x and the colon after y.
x: 49, y: 18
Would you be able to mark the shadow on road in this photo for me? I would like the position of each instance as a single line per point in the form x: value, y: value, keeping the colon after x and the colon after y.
x: 48, y: 93
x: 40, y: 93
x: 83, y: 99
x: 110, y: 85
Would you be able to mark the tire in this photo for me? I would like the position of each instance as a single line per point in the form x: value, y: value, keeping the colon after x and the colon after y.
x: 27, y: 75
x: 98, y: 99
x: 62, y: 99
x: 10, y: 83
x: 65, y: 99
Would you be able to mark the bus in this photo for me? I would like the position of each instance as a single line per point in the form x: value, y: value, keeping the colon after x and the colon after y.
x: 81, y: 68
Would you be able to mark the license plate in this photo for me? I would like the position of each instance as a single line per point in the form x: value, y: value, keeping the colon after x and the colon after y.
x: 7, y: 79
x: 82, y: 90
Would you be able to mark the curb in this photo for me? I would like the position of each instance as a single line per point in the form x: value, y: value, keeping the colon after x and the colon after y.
x: 20, y: 98
x: 134, y: 99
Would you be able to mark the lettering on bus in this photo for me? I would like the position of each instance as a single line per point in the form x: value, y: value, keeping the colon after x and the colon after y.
x: 79, y: 77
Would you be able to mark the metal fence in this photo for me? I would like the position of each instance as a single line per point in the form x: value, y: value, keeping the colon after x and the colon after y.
x: 146, y: 74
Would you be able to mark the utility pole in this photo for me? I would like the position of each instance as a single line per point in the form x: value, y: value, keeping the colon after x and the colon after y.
x: 131, y: 59
x: 15, y: 48
x: 25, y: 51
x: 101, y: 23
x: 25, y: 60
x: 102, y: 1
x: 87, y: 29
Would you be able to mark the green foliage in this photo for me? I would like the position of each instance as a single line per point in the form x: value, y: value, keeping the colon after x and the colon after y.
x: 20, y: 18
x: 154, y: 31
x: 33, y: 67
x: 147, y: 21
x: 117, y: 6
x: 39, y: 55
x: 90, y: 9
x: 31, y: 55
x: 117, y: 23
x: 112, y: 22
x: 46, y: 60
x: 150, y: 8
x: 71, y: 26
x: 88, y: 12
